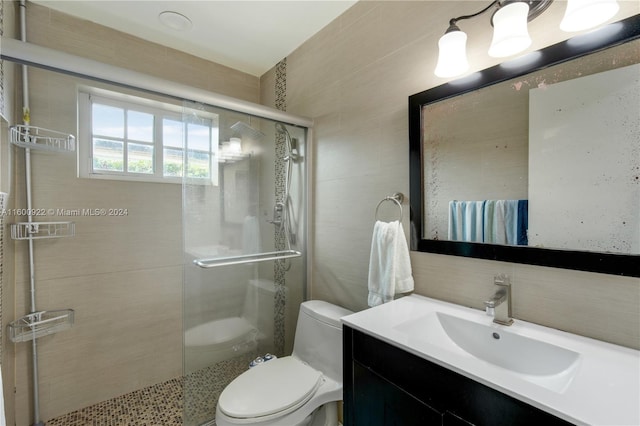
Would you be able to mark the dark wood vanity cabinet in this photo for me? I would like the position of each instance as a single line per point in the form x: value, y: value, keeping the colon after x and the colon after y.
x: 387, y: 386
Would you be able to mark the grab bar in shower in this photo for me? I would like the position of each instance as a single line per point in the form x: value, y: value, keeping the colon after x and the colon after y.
x: 247, y: 258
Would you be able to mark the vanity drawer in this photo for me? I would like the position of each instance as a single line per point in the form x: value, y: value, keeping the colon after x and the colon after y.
x: 383, y: 380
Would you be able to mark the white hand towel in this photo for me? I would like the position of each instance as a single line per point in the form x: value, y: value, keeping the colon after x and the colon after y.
x: 511, y: 221
x: 389, y: 264
x: 456, y: 221
x: 251, y: 242
x: 499, y: 229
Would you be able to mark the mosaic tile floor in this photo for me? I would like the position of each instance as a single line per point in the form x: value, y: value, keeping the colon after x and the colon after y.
x: 189, y: 400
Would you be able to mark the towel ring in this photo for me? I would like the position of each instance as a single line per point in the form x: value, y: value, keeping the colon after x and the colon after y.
x: 397, y: 198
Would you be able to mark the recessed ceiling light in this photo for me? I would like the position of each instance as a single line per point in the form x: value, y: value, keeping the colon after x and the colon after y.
x: 175, y: 21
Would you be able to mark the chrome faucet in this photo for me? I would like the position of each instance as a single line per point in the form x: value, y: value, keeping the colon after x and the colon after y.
x: 499, y: 306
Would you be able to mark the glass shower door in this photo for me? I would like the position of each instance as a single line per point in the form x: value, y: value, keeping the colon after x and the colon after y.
x: 244, y: 244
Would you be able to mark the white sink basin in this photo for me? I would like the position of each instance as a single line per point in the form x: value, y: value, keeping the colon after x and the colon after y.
x: 533, y: 360
x: 582, y: 380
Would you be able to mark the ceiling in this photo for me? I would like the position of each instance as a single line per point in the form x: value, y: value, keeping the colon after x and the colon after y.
x: 248, y: 35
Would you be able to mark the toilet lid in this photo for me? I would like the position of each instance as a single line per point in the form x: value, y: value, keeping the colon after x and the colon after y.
x: 275, y: 386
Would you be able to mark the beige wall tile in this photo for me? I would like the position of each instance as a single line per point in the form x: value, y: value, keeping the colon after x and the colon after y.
x: 127, y: 335
x: 121, y: 275
x: 353, y: 78
x: 267, y: 87
x: 600, y: 306
x: 7, y: 307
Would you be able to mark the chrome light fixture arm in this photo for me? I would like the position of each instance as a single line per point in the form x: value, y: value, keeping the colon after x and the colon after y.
x: 453, y: 21
x: 510, y: 29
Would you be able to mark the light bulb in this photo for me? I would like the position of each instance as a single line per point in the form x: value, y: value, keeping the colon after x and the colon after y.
x: 452, y: 57
x: 585, y: 14
x: 510, y: 33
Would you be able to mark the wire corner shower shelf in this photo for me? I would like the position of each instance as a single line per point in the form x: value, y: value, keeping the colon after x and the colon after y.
x: 42, y: 230
x: 39, y: 324
x: 32, y: 137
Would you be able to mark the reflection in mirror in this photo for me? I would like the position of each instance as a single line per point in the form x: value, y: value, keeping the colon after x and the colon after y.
x: 584, y: 162
x: 558, y: 136
x: 545, y: 157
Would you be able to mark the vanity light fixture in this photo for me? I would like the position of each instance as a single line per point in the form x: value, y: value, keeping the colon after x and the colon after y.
x: 510, y: 35
x: 584, y: 14
x: 510, y: 32
x: 452, y: 57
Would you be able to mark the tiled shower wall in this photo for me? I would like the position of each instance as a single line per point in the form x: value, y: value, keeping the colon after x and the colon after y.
x: 8, y: 28
x: 7, y: 308
x: 353, y: 79
x: 3, y: 196
x: 122, y: 276
x: 2, y: 83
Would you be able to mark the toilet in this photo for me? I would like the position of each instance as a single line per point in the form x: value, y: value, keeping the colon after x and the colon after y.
x: 301, y: 389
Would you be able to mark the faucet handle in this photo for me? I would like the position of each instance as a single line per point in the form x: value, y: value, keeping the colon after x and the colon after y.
x: 489, y: 308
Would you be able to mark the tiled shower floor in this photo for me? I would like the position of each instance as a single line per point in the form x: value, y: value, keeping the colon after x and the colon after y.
x: 162, y: 404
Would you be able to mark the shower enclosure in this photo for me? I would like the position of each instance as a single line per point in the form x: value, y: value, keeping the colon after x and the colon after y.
x: 244, y: 240
x: 201, y: 274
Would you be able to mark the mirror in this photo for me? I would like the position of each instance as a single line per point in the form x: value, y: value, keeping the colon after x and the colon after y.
x: 490, y: 156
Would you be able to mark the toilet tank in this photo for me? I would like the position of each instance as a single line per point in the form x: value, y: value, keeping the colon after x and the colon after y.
x: 318, y: 340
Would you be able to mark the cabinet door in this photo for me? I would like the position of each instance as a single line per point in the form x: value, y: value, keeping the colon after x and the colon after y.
x: 385, y: 385
x: 378, y: 402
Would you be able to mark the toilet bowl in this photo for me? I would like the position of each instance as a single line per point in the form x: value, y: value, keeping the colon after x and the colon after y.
x: 301, y: 389
x: 214, y: 341
x: 224, y: 338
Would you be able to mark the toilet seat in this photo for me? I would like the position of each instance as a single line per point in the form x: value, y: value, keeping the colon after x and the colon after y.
x: 276, y: 387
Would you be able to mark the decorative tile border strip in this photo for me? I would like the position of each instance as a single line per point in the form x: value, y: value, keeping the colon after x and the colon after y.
x: 280, y: 234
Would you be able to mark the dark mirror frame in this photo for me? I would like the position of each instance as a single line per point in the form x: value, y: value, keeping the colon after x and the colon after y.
x: 607, y: 263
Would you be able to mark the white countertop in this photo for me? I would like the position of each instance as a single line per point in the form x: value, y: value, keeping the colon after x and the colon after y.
x: 604, y: 390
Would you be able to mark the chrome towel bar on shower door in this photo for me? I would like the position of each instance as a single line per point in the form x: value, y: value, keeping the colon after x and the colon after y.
x: 246, y: 258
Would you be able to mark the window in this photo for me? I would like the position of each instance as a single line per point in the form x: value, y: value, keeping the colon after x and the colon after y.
x: 129, y: 138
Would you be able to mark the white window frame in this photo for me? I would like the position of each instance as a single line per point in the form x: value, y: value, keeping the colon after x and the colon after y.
x: 160, y: 111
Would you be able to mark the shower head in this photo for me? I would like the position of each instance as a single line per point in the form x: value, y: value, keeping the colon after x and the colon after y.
x: 244, y: 130
x: 280, y: 128
x: 291, y: 143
